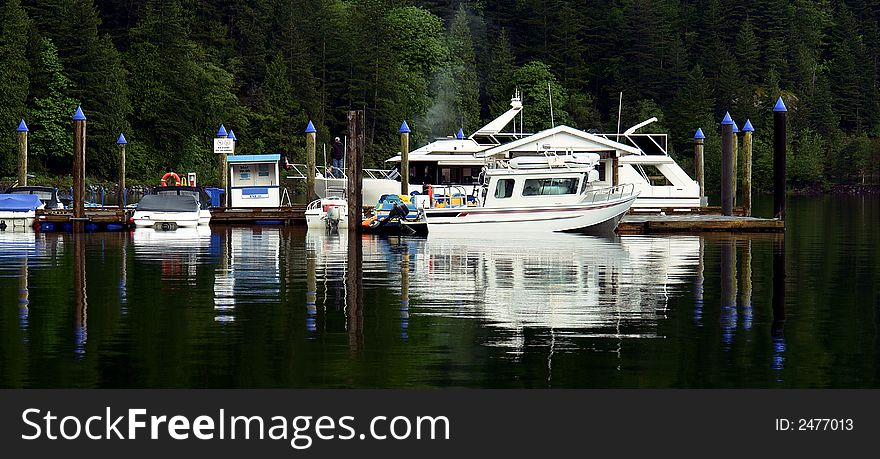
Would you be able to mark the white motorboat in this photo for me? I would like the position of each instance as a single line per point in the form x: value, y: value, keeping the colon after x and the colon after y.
x: 198, y: 193
x: 531, y: 194
x: 17, y: 211
x: 167, y: 212
x: 327, y: 213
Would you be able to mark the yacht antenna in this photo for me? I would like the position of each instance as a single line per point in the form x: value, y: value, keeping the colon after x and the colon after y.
x: 619, y: 112
x: 552, y: 121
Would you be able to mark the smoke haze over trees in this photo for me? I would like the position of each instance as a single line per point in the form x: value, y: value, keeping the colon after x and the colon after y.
x: 168, y: 72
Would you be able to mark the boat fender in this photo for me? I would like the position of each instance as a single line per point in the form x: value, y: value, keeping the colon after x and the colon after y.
x: 169, y: 175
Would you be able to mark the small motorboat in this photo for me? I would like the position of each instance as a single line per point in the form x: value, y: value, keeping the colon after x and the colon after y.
x: 167, y: 212
x: 397, y: 214
x: 47, y: 195
x: 198, y: 193
x: 17, y: 211
x: 330, y: 213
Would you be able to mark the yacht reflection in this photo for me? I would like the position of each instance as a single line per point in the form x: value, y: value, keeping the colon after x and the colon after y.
x: 568, y: 285
x: 177, y: 251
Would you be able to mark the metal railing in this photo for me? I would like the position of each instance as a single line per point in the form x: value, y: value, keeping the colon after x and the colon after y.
x: 298, y: 171
x: 450, y: 195
x: 610, y: 193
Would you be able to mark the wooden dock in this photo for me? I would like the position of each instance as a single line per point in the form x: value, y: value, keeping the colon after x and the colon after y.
x: 101, y: 217
x: 295, y: 214
x: 697, y: 223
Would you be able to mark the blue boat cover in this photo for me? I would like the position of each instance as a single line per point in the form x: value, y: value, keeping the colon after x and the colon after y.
x: 19, y: 202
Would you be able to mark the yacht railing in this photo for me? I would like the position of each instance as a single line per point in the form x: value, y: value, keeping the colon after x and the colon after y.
x: 298, y: 171
x: 609, y: 194
x: 450, y: 195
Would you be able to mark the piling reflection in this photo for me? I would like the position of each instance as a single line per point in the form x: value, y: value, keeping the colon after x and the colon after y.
x: 354, y: 292
x: 778, y: 327
x: 311, y: 288
x: 728, y: 291
x: 80, y: 296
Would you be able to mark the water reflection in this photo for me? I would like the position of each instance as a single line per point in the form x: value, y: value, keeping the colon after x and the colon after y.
x: 228, y: 303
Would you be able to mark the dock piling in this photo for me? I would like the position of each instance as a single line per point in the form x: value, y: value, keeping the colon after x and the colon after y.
x: 747, y: 169
x: 222, y: 166
x: 735, y: 160
x: 699, y: 145
x: 354, y: 164
x: 404, y: 158
x: 780, y: 140
x: 22, y: 153
x: 79, y: 169
x: 727, y: 178
x: 311, y: 142
x: 120, y: 195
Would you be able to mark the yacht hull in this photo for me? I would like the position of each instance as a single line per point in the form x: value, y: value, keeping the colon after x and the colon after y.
x: 147, y: 219
x: 597, y: 218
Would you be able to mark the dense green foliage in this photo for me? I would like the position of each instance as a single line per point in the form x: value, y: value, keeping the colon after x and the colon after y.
x: 168, y: 72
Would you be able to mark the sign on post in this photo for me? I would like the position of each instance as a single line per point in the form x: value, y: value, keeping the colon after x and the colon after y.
x: 224, y: 146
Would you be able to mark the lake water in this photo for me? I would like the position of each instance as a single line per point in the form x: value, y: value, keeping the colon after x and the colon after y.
x: 273, y: 306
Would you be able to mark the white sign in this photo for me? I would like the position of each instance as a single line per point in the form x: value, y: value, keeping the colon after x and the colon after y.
x: 224, y: 146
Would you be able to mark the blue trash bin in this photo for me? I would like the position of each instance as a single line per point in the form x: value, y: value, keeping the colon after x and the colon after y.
x: 216, y: 195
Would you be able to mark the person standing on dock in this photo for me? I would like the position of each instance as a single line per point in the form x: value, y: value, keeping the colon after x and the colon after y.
x: 337, y: 152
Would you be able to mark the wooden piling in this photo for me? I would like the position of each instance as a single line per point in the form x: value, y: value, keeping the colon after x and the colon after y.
x: 615, y: 169
x: 735, y: 160
x: 311, y: 145
x: 404, y: 158
x: 747, y: 169
x: 780, y: 141
x: 120, y: 196
x: 699, y: 175
x: 22, y: 153
x: 223, y: 168
x: 79, y: 169
x: 354, y: 162
x: 727, y: 178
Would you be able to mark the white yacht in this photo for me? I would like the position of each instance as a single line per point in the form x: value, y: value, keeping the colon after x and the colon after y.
x: 550, y: 193
x: 643, y: 161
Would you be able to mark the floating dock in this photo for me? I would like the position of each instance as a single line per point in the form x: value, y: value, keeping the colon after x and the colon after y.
x: 103, y: 218
x: 295, y: 214
x: 697, y: 223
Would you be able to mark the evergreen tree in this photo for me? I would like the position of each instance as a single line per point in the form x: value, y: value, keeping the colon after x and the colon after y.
x: 463, y: 62
x: 499, y: 87
x: 537, y: 83
x: 51, y: 140
x: 14, y: 82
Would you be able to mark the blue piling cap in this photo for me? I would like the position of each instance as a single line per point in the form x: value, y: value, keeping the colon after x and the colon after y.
x: 735, y: 127
x: 780, y: 106
x: 222, y: 131
x: 404, y: 128
x: 310, y: 128
x: 232, y: 136
x: 727, y: 119
x: 121, y: 140
x: 699, y: 135
x: 748, y: 127
x: 79, y: 115
x: 460, y: 134
x: 22, y: 127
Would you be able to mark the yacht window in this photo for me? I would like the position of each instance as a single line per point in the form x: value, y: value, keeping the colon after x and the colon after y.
x: 548, y: 186
x: 504, y: 188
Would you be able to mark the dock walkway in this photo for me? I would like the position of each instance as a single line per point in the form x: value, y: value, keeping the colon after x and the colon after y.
x: 697, y: 223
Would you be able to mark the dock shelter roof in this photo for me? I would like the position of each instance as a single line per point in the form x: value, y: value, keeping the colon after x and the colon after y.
x: 561, y: 138
x: 253, y: 158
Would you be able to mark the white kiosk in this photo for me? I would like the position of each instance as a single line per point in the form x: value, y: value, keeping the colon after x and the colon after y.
x: 254, y: 180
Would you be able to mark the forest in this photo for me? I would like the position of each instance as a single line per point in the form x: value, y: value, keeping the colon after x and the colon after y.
x: 167, y: 73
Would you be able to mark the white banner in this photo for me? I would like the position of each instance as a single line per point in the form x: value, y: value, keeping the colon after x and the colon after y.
x: 224, y: 146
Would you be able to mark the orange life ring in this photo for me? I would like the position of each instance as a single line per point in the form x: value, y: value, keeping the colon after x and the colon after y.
x: 171, y: 174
